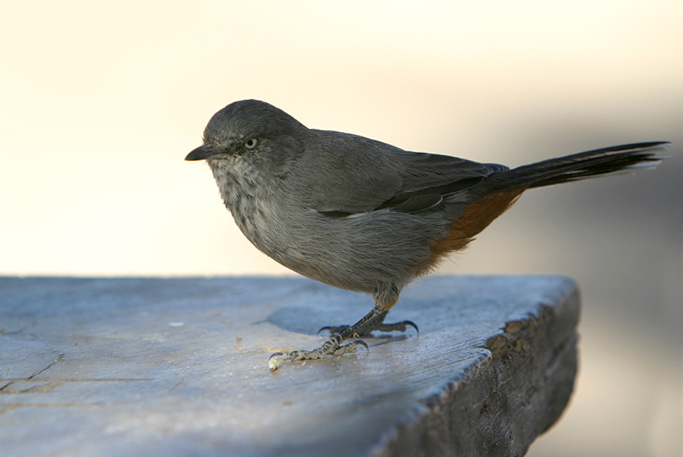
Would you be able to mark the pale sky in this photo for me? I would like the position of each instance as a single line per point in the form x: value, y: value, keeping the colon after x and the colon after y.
x: 101, y: 101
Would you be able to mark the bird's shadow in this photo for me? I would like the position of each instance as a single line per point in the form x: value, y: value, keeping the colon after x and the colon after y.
x: 299, y: 320
x: 315, y: 306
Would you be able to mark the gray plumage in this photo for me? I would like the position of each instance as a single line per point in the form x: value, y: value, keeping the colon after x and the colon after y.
x: 353, y: 212
x: 363, y: 215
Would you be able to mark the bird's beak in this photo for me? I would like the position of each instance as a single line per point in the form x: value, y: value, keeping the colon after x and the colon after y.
x: 201, y: 153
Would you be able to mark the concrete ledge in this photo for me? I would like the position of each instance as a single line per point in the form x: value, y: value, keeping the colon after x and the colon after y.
x: 174, y: 367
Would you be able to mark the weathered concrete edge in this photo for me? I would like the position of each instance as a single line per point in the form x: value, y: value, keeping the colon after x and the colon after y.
x: 507, y: 400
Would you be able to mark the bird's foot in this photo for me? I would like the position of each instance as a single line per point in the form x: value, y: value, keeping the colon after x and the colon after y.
x: 329, y: 348
x: 374, y: 320
x: 380, y: 327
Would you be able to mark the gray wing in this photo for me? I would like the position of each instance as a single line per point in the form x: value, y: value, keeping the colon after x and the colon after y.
x: 429, y: 178
x: 351, y: 174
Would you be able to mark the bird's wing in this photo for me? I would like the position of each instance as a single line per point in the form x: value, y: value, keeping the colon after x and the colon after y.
x: 429, y: 178
x: 361, y: 175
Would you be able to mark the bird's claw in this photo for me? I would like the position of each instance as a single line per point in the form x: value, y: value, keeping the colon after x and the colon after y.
x: 398, y: 326
x: 334, y: 330
x: 365, y: 332
x: 326, y: 350
x: 351, y: 348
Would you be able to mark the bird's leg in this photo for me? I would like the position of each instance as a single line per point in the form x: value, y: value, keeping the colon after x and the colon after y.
x: 334, y: 345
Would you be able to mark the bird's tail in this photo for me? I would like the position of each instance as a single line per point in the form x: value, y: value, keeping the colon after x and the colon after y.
x: 583, y: 165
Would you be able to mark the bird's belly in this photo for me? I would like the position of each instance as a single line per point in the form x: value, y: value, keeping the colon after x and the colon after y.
x: 364, y: 252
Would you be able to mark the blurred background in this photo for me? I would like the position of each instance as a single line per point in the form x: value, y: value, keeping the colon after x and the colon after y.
x: 100, y: 102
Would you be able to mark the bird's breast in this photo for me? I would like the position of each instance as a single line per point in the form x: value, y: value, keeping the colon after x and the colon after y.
x: 256, y: 204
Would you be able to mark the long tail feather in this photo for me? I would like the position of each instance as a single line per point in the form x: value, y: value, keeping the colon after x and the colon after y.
x: 584, y: 165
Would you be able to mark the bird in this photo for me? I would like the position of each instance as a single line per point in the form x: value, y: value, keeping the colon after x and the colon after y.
x: 363, y: 215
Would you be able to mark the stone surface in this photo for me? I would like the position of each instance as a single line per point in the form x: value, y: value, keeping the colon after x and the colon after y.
x: 178, y: 366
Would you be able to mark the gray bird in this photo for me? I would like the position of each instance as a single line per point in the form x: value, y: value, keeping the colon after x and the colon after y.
x: 363, y: 215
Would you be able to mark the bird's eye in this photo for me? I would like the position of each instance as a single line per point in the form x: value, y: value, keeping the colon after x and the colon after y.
x: 250, y: 143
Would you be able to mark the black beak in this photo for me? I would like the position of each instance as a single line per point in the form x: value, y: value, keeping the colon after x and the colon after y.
x: 201, y: 153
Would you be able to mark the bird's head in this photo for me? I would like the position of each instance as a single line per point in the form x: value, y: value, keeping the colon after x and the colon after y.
x: 255, y: 132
